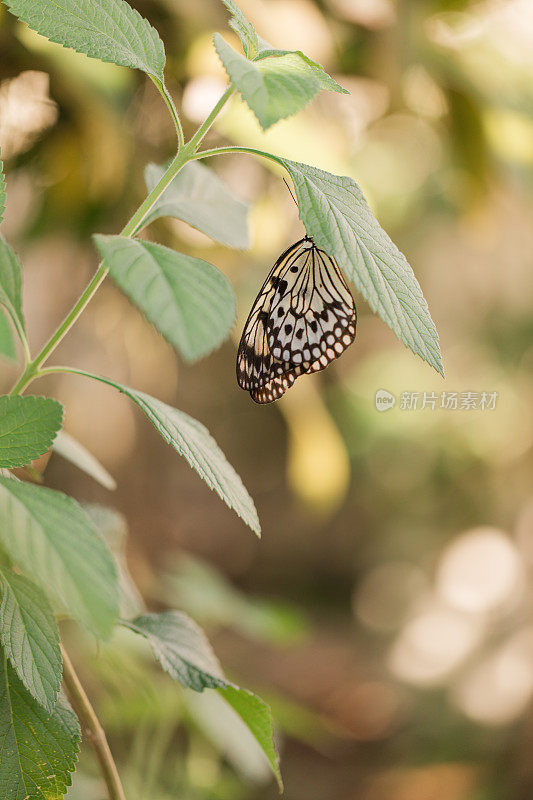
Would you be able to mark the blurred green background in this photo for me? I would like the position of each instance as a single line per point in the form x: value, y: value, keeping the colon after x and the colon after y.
x: 387, y: 612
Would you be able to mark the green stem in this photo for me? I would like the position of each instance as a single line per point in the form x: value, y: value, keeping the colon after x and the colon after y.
x: 70, y: 371
x: 167, y: 97
x: 206, y: 124
x: 33, y: 367
x: 186, y: 152
x: 220, y: 151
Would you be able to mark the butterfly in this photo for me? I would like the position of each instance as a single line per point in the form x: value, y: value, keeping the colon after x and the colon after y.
x: 302, y: 319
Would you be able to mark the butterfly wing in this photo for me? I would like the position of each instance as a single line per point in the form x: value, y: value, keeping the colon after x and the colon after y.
x: 302, y: 319
x: 256, y: 366
x: 312, y: 317
x: 274, y: 388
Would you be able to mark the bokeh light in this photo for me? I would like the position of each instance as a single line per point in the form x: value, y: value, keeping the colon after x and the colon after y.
x: 498, y: 690
x: 27, y: 110
x: 480, y: 571
x: 433, y: 644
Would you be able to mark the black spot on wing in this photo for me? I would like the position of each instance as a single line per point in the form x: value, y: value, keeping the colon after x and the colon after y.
x: 313, y: 325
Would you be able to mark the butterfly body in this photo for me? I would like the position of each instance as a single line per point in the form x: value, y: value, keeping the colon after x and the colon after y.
x: 302, y: 319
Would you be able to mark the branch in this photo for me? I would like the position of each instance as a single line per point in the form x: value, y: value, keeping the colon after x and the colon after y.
x: 129, y: 230
x: 92, y: 729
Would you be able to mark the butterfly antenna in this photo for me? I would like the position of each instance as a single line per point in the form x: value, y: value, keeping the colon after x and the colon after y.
x: 290, y: 192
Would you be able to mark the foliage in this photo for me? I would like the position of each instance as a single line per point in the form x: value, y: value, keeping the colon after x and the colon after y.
x: 54, y: 561
x: 11, y: 286
x: 28, y: 426
x: 110, y: 30
x: 188, y: 300
x: 275, y: 87
x: 30, y: 637
x: 184, y: 652
x: 199, y: 197
x: 49, y: 535
x: 338, y: 219
x: 7, y: 343
x: 39, y: 749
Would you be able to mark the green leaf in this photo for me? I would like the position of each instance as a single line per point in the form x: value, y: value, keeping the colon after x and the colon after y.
x: 2, y: 192
x: 51, y: 538
x: 110, y: 30
x: 7, y: 343
x: 11, y: 284
x: 30, y: 637
x: 188, y: 300
x: 199, y: 197
x: 274, y: 88
x: 194, y: 442
x: 38, y: 749
x: 69, y: 448
x: 28, y: 426
x: 256, y: 714
x: 216, y: 720
x: 183, y: 651
x: 113, y: 528
x: 243, y: 28
x: 338, y: 219
x: 181, y: 648
x: 325, y: 80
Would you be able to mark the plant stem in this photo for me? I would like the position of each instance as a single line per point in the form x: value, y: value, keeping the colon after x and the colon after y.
x: 32, y: 369
x: 206, y: 124
x: 220, y: 151
x: 92, y: 729
x: 187, y: 152
x: 167, y: 97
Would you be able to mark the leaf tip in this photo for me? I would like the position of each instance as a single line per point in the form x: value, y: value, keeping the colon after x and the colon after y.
x: 252, y: 518
x: 217, y: 40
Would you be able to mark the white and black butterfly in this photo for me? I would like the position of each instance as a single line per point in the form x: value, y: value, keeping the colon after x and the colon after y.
x: 302, y: 319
